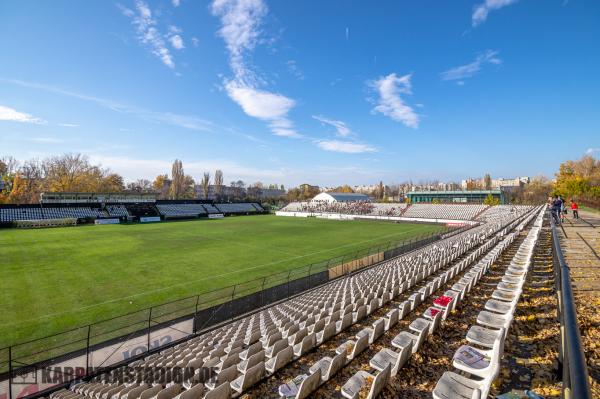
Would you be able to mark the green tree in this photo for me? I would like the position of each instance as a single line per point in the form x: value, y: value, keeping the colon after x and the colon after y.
x: 490, y: 200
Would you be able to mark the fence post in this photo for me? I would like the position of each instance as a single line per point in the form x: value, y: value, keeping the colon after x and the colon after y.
x: 262, y: 292
x: 196, y: 314
x: 149, y: 326
x: 309, y: 275
x: 10, y: 372
x: 87, y: 351
x: 231, y: 301
x: 288, y: 283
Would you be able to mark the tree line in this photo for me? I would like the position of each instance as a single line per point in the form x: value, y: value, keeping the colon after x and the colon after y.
x: 23, y: 182
x: 579, y: 180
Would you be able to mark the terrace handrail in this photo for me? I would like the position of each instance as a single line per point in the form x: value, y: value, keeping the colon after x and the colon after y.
x: 575, y: 383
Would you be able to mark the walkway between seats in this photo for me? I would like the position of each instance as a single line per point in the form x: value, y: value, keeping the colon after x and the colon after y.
x: 580, y: 242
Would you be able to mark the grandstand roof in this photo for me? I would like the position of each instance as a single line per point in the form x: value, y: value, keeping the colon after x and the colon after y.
x: 340, y: 197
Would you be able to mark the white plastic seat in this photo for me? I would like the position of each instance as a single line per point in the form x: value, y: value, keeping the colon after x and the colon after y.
x: 328, y: 366
x: 377, y: 382
x: 253, y: 360
x: 303, y: 385
x: 224, y: 376
x: 280, y: 360
x: 489, y: 359
x: 251, y: 350
x: 482, y: 336
x: 494, y: 320
x: 195, y: 392
x: 388, y: 356
x: 502, y: 307
x: 308, y: 343
x: 352, y: 348
x: 406, y: 339
x: 249, y: 378
x: 391, y: 319
x: 328, y: 332
x: 223, y: 391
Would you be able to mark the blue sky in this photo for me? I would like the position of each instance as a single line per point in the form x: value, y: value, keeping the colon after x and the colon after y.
x: 326, y: 92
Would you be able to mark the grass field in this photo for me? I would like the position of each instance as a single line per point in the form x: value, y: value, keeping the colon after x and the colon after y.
x: 55, y: 279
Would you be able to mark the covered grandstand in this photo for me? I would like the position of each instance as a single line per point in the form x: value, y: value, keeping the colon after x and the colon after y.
x: 458, y: 196
x: 88, y: 207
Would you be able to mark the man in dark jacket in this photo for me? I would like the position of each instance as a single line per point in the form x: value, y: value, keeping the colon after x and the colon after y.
x: 556, y: 208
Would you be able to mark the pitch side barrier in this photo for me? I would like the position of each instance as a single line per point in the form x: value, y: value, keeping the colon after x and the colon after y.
x: 36, y: 367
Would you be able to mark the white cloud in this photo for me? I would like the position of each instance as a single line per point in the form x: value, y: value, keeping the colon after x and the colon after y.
x: 390, y: 103
x: 68, y: 125
x: 266, y: 106
x: 470, y: 69
x: 260, y: 104
x: 347, y: 33
x: 590, y: 151
x: 185, y: 121
x: 241, y: 28
x: 341, y: 128
x: 147, y: 32
x: 176, y: 3
x: 128, y: 12
x: 481, y: 11
x: 345, y: 146
x: 176, y: 42
x: 195, y: 41
x: 241, y: 22
x: 11, y: 114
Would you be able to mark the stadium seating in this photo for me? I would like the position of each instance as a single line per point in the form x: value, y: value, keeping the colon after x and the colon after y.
x: 478, y: 364
x: 116, y: 211
x: 444, y: 211
x: 246, y: 350
x: 72, y: 212
x: 181, y: 210
x: 239, y: 208
x: 12, y: 214
x: 417, y: 211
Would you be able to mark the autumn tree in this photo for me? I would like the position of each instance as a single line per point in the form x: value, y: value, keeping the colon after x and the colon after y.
x: 537, y: 191
x: 27, y: 183
x: 162, y: 185
x: 140, y: 186
x: 112, y: 183
x: 177, y: 180
x: 189, y: 184
x: 342, y: 189
x: 487, y: 181
x: 205, y: 184
x: 490, y: 200
x: 580, y: 179
x: 218, y: 182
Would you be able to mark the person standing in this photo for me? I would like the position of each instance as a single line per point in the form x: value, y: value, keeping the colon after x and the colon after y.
x: 575, y: 209
x: 556, y: 209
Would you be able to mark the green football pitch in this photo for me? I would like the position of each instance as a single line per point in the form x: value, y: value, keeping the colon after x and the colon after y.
x: 55, y: 279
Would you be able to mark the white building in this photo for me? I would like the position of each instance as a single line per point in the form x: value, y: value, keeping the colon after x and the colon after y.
x: 340, y: 197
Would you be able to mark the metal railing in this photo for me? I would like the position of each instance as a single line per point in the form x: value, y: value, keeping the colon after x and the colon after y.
x: 571, y: 356
x: 202, y: 313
